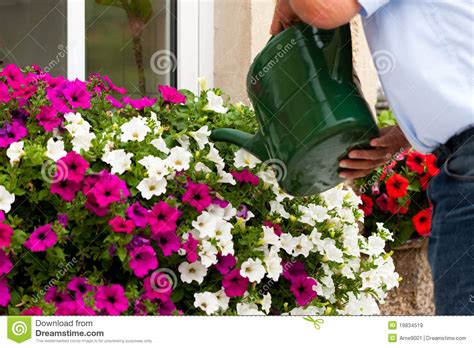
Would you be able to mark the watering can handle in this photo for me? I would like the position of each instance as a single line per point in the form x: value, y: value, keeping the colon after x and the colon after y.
x: 252, y: 143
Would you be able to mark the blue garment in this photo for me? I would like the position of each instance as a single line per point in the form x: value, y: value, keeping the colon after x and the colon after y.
x: 424, y: 53
x: 451, y: 245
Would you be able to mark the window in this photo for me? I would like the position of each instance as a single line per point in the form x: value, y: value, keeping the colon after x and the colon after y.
x: 138, y: 43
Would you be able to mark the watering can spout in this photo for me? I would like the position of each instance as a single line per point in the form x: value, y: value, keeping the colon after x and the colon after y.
x: 252, y: 143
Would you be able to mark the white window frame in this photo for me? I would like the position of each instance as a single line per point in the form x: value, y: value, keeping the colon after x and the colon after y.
x: 195, y: 46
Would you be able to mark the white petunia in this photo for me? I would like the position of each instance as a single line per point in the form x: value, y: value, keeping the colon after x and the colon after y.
x: 215, y: 103
x: 6, y: 199
x: 214, y: 156
x: 201, y: 136
x: 287, y: 242
x: 331, y: 251
x: 134, y: 130
x: 365, y: 304
x: 266, y: 302
x: 334, y: 198
x: 192, y: 272
x: 55, y: 149
x: 313, y: 213
x: 253, y: 269
x: 183, y: 140
x: 179, y: 158
x: 223, y: 299
x: 225, y: 178
x: 206, y: 301
x: 273, y: 266
x: 15, y: 152
x: 245, y: 159
x: 155, y: 166
x: 160, y: 145
x: 270, y: 237
x: 302, y: 246
x: 119, y: 160
x: 208, y: 253
x: 248, y: 309
x: 205, y: 224
x: 223, y: 230
x: 375, y: 245
x: 278, y: 208
x: 150, y: 187
x: 226, y: 213
x: 82, y: 140
x: 201, y: 167
x: 74, y: 118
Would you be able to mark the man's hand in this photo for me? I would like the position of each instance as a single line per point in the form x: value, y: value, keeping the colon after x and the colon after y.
x: 322, y: 14
x: 361, y: 162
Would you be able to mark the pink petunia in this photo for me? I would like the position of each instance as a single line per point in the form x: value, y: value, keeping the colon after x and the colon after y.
x: 190, y: 246
x: 171, y: 95
x: 234, y: 284
x: 167, y: 241
x: 139, y: 103
x: 114, y: 102
x: 163, y: 218
x: 66, y: 189
x: 5, y: 263
x: 138, y: 214
x: 121, y: 225
x: 77, y: 95
x: 48, y: 119
x: 6, y: 233
x: 143, y: 260
x: 5, y: 97
x: 55, y: 296
x: 11, y: 133
x: 111, y: 299
x: 94, y: 207
x: 157, y: 287
x: 32, y: 311
x: 41, y: 239
x: 4, y: 293
x: 166, y: 307
x: 302, y: 288
x: 13, y: 76
x: 109, y: 189
x: 73, y: 166
x: 245, y: 176
x: 276, y: 227
x: 77, y: 307
x: 197, y: 195
x: 80, y: 286
x: 293, y: 269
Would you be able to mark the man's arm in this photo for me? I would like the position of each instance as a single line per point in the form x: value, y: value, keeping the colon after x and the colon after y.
x: 324, y: 14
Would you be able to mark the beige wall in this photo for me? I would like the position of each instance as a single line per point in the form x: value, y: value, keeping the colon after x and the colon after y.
x: 242, y: 30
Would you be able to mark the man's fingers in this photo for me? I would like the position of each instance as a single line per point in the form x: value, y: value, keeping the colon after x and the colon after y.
x: 389, y: 137
x: 361, y: 164
x: 354, y: 174
x: 370, y: 154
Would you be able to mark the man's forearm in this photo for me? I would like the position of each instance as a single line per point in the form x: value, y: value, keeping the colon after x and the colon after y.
x: 325, y: 14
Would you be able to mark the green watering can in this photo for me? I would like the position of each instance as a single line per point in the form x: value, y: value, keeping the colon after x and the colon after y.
x: 309, y: 106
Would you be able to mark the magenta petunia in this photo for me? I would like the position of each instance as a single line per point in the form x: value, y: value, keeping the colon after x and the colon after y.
x: 245, y: 176
x: 11, y: 133
x: 80, y: 286
x: 167, y: 241
x: 5, y: 96
x: 190, y: 246
x: 121, y: 225
x: 57, y: 99
x: 53, y: 82
x: 5, y: 263
x: 4, y: 293
x: 6, y: 233
x: 109, y: 189
x: 234, y: 284
x: 293, y: 269
x: 63, y: 219
x: 77, y: 307
x: 77, y: 95
x: 165, y: 307
x: 114, y: 102
x: 48, y: 118
x: 143, y: 260
x: 139, y: 103
x: 171, y: 95
x: 71, y: 167
x: 302, y: 288
x: 32, y: 311
x: 13, y: 76
x: 276, y: 227
x: 197, y: 195
x: 66, y: 189
x: 94, y: 207
x: 157, y: 287
x: 111, y: 299
x: 225, y: 263
x: 138, y: 214
x: 163, y: 218
x: 41, y: 239
x: 55, y: 296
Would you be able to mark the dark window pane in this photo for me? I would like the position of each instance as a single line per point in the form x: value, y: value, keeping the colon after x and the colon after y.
x: 34, y: 32
x: 131, y: 41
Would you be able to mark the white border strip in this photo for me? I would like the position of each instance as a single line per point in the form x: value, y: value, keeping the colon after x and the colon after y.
x: 76, y: 39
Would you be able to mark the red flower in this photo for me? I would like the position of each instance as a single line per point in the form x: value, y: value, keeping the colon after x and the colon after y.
x: 382, y: 202
x: 416, y: 162
x: 422, y: 222
x: 396, y: 208
x: 430, y: 163
x: 425, y: 180
x: 397, y: 186
x: 367, y: 205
